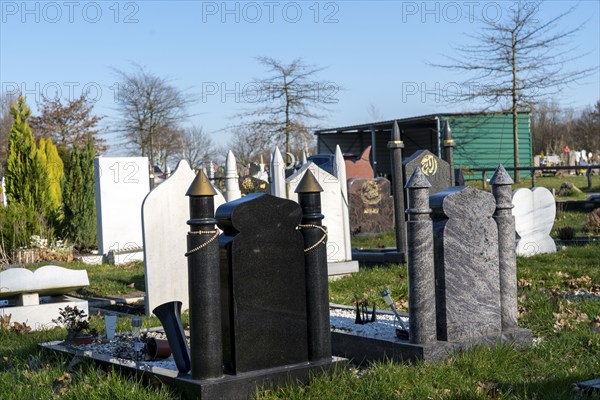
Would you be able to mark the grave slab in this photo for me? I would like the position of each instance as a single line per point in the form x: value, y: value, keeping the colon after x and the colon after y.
x: 240, y: 386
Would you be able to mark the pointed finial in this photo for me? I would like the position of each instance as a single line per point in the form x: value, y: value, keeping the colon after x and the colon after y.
x: 396, y: 142
x: 201, y: 186
x: 396, y: 131
x: 308, y: 184
x: 448, y: 141
x: 447, y: 131
x: 261, y: 159
x: 417, y: 180
x: 501, y: 177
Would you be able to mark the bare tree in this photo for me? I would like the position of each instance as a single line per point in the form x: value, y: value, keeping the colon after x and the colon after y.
x: 518, y: 60
x: 69, y: 124
x: 196, y: 147
x: 287, y: 101
x: 152, y: 110
x: 374, y: 113
x: 248, y: 145
x: 588, y: 128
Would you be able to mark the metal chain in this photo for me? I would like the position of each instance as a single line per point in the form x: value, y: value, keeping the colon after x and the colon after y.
x: 215, y: 234
x: 322, y: 240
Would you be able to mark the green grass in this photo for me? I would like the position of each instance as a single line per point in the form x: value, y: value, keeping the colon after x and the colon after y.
x: 108, y: 279
x: 551, y: 182
x: 567, y: 348
x: 386, y: 239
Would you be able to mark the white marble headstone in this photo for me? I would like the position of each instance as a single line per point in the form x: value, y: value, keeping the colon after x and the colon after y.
x: 165, y: 213
x: 333, y: 207
x: 534, y: 211
x: 121, y: 184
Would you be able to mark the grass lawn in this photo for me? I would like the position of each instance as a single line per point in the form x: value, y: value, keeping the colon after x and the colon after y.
x: 566, y: 350
x: 552, y: 182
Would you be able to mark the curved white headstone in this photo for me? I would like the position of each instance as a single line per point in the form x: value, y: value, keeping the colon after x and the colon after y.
x: 165, y: 212
x: 534, y: 211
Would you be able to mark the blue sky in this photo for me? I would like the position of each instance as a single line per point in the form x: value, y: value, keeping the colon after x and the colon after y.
x: 377, y: 51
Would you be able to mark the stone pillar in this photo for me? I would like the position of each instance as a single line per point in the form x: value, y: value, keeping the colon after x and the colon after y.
x: 449, y: 150
x: 502, y: 190
x: 396, y: 145
x: 232, y: 185
x: 421, y: 270
x: 315, y: 258
x: 204, y: 282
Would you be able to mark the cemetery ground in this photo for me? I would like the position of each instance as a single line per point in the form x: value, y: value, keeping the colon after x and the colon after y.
x: 558, y: 300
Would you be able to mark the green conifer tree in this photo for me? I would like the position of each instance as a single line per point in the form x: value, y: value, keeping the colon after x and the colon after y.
x: 55, y: 170
x: 79, y: 201
x: 27, y: 183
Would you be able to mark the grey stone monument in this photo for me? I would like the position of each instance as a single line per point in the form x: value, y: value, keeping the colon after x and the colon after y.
x: 466, y: 267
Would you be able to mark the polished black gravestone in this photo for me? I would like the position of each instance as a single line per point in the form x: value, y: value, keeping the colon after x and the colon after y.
x: 263, y: 292
x: 272, y: 281
x: 436, y: 170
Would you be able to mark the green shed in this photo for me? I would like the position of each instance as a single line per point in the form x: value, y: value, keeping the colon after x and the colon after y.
x: 483, y: 140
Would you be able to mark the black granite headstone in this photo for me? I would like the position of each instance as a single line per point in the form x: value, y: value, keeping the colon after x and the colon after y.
x: 435, y: 169
x: 263, y: 289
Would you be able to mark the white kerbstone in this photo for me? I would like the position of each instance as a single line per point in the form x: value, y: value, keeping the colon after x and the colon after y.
x: 334, y: 208
x: 534, y: 211
x: 121, y: 184
x: 41, y: 316
x: 165, y: 213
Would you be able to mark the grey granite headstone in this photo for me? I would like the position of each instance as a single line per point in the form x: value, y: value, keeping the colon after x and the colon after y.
x: 466, y: 264
x: 436, y: 170
x: 262, y: 283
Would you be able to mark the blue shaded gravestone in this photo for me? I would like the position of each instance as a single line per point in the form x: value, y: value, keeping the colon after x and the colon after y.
x: 263, y: 291
x: 466, y: 264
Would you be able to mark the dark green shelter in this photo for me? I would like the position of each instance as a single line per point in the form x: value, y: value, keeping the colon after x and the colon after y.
x: 483, y: 140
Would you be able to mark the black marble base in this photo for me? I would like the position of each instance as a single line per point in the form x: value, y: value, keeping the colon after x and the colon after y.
x: 240, y: 386
x: 377, y: 256
x: 360, y: 349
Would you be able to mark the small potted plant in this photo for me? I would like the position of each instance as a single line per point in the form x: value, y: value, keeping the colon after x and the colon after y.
x: 77, y: 325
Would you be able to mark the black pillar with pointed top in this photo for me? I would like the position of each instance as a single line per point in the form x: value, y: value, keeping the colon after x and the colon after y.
x: 317, y: 292
x: 449, y: 150
x: 204, y: 282
x: 396, y: 145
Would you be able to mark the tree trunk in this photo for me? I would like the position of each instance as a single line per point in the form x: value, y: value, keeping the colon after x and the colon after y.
x: 515, y: 115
